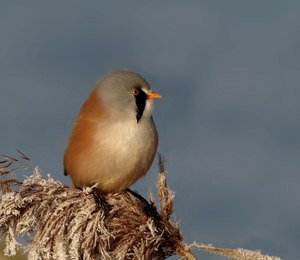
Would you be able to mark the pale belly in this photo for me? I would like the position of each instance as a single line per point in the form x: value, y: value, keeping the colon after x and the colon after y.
x: 117, y: 158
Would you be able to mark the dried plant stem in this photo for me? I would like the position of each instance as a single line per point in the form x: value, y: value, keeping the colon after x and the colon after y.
x: 66, y: 223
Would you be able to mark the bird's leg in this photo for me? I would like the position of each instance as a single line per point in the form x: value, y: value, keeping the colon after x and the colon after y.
x: 100, y: 200
x: 149, y: 209
x: 138, y: 196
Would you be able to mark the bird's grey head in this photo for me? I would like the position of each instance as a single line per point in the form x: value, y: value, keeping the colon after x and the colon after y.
x: 125, y: 94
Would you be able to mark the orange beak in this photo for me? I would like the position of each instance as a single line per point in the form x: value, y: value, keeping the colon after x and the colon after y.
x: 154, y: 95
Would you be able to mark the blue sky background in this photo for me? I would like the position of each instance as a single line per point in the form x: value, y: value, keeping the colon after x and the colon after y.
x: 229, y: 120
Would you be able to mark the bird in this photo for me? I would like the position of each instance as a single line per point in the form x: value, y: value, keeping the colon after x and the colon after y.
x: 114, y: 139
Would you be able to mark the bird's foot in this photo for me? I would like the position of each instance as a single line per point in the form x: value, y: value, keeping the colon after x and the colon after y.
x: 148, y: 209
x: 100, y: 201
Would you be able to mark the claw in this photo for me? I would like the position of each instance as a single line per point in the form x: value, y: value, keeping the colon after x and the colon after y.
x: 149, y: 209
x: 100, y: 201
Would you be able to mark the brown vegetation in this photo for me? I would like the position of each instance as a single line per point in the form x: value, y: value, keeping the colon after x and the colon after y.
x: 66, y: 223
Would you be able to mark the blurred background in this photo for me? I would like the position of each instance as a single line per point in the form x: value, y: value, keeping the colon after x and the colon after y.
x: 229, y: 120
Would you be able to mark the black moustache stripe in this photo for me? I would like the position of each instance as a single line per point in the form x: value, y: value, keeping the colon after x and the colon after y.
x: 140, y: 101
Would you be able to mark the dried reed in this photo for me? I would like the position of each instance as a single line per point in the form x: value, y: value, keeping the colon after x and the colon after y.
x: 66, y: 223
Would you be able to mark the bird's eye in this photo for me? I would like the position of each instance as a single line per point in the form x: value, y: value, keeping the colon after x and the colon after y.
x: 135, y: 91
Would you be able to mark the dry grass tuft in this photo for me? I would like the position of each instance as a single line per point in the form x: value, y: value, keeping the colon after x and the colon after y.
x: 66, y: 223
